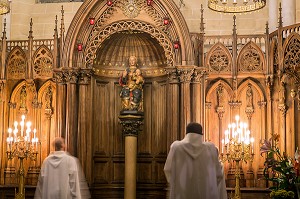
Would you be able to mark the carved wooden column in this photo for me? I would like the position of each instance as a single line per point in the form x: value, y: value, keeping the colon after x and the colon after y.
x: 84, y: 124
x: 220, y: 110
x: 207, y: 123
x: 61, y: 87
x: 131, y: 123
x: 3, y: 51
x: 48, y: 111
x: 283, y: 109
x: 173, y: 108
x: 249, y: 110
x: 185, y: 75
x: 3, y: 118
x: 198, y: 95
x: 72, y: 112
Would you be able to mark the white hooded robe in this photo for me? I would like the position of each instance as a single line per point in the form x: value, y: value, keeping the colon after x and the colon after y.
x: 193, y: 170
x: 61, y: 178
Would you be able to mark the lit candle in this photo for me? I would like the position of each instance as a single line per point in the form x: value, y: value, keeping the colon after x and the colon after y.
x: 22, y: 127
x: 252, y: 145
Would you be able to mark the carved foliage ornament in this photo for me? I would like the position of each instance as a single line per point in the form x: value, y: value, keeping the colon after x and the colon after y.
x: 43, y: 63
x: 16, y: 66
x: 219, y: 60
x: 292, y: 54
x: 115, y: 27
x: 250, y: 60
x: 132, y: 8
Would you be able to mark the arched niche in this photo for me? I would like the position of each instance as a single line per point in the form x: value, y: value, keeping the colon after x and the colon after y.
x: 146, y: 19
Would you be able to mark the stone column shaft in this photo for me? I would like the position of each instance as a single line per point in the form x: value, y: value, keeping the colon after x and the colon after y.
x: 288, y: 12
x: 273, y: 15
x: 130, y: 167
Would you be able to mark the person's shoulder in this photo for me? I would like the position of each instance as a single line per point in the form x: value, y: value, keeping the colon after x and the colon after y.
x: 209, y: 144
x: 178, y: 144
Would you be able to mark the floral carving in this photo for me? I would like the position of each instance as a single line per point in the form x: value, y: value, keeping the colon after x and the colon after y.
x: 292, y: 54
x: 43, y: 63
x: 250, y: 60
x: 16, y: 66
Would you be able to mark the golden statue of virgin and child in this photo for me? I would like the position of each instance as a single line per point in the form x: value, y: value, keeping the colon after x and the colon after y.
x: 132, y: 83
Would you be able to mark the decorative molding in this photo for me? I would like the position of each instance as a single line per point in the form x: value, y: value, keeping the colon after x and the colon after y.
x: 98, y: 37
x: 235, y: 104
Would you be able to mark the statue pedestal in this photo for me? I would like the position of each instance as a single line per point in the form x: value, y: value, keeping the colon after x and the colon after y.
x: 131, y: 122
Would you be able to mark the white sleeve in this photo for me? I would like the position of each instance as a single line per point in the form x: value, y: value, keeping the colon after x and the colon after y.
x: 168, y: 164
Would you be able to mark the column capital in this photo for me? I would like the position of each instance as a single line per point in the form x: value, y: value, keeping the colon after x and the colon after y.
x: 85, y: 75
x: 131, y: 122
x: 185, y: 73
x: 66, y: 75
x: 172, y: 75
x: 199, y: 73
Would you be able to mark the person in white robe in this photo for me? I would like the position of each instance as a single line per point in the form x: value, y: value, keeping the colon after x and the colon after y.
x: 193, y: 169
x: 61, y: 176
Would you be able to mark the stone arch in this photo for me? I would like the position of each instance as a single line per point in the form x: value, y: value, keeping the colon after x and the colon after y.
x: 250, y: 58
x: 291, y: 51
x: 219, y: 59
x: 42, y: 62
x: 16, y: 64
x: 81, y: 31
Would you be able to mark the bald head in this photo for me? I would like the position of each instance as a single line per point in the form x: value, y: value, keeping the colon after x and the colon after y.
x: 59, y: 144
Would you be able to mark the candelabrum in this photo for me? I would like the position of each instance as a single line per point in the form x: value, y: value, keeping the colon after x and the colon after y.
x: 237, y: 146
x: 22, y: 144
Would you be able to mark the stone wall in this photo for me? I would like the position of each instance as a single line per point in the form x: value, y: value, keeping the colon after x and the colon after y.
x: 44, y: 16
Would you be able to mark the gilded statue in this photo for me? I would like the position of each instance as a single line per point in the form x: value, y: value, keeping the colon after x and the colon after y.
x: 132, y: 83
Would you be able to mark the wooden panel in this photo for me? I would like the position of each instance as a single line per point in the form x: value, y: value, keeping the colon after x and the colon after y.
x: 159, y: 172
x: 101, y: 112
x: 101, y: 172
x: 118, y: 172
x: 144, y: 137
x: 118, y: 138
x: 144, y: 172
x: 159, y: 134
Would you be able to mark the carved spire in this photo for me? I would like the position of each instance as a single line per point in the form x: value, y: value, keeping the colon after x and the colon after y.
x: 280, y: 16
x: 55, y: 28
x: 62, y: 25
x: 62, y: 39
x: 4, y: 30
x: 267, y: 28
x: 202, y: 20
x: 30, y: 30
x: 234, y: 25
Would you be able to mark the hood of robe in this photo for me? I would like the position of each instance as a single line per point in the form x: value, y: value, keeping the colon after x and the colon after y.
x: 55, y: 158
x: 194, y: 144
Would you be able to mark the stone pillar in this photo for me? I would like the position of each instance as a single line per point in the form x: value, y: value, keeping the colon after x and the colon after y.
x: 131, y: 122
x: 288, y: 12
x: 273, y: 15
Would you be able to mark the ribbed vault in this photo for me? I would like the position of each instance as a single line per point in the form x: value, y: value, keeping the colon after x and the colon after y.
x: 115, y: 51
